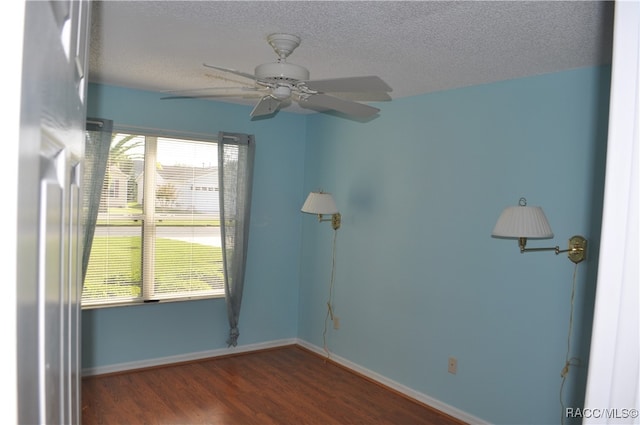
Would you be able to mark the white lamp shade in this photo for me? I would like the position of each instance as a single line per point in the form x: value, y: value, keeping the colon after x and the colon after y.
x: 319, y: 203
x: 522, y: 222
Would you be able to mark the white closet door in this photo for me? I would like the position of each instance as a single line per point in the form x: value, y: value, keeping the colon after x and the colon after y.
x: 51, y: 150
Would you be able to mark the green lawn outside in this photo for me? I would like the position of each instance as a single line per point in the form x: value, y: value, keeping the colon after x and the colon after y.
x: 172, y: 222
x: 131, y: 216
x: 115, y: 267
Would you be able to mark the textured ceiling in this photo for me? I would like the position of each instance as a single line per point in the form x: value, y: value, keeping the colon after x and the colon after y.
x: 417, y: 47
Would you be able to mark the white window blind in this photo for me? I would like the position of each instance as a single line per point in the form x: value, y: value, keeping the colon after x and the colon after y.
x: 158, y: 231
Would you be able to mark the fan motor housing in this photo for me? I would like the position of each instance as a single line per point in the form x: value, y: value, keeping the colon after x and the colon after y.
x: 281, y: 71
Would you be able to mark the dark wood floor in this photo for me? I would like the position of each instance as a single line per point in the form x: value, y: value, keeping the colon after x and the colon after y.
x: 288, y: 385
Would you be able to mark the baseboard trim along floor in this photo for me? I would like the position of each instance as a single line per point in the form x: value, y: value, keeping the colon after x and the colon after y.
x: 402, y: 389
x: 376, y: 377
x: 161, y: 361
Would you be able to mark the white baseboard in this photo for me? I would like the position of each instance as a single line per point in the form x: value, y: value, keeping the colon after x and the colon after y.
x: 160, y: 361
x: 409, y: 392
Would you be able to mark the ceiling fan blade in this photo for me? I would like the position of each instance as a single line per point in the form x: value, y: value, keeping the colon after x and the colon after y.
x: 210, y: 96
x: 232, y: 71
x: 212, y: 90
x: 363, y: 96
x: 242, y: 92
x: 268, y: 105
x: 369, y: 83
x: 324, y: 102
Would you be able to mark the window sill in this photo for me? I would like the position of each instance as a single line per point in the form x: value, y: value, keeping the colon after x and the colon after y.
x: 159, y: 301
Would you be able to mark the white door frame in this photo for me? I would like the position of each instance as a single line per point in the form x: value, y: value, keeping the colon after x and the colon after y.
x: 613, y: 381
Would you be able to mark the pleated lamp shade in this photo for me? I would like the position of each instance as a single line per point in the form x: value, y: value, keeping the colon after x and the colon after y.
x: 319, y: 203
x: 522, y: 222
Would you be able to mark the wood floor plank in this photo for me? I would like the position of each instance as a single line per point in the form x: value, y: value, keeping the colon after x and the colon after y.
x: 287, y: 385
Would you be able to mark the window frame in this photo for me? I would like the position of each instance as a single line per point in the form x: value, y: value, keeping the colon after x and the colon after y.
x: 158, y: 134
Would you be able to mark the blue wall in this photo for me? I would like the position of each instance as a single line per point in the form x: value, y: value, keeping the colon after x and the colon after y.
x: 269, y: 309
x: 418, y: 277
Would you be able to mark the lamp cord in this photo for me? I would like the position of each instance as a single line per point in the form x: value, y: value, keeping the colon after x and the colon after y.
x: 330, y: 300
x: 569, y: 361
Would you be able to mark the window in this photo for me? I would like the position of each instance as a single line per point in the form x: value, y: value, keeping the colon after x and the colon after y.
x: 157, y: 235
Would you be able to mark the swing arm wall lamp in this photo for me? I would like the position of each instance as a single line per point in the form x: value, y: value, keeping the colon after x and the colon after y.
x: 322, y: 203
x: 522, y: 222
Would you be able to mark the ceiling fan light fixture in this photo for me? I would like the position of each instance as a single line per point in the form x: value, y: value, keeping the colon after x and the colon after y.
x: 281, y: 92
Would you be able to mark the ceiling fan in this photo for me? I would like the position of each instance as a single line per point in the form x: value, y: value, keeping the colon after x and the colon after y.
x: 278, y: 83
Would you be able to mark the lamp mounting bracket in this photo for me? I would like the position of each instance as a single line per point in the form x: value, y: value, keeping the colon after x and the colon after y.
x: 577, y: 250
x: 335, y: 219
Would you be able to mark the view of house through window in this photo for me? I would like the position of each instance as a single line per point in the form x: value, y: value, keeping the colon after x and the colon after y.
x: 158, y: 232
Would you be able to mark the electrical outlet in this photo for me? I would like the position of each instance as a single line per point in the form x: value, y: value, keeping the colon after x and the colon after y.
x: 453, y: 365
x: 336, y: 322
